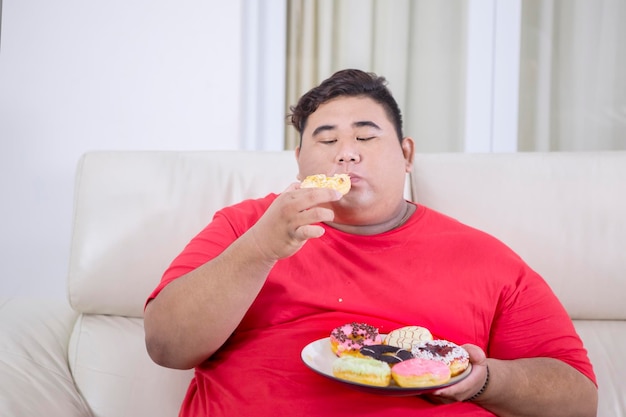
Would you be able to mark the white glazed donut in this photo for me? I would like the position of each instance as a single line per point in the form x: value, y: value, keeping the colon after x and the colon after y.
x: 444, y: 351
x: 406, y: 337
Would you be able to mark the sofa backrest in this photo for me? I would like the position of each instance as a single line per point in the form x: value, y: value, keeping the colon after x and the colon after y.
x: 135, y: 211
x: 563, y: 212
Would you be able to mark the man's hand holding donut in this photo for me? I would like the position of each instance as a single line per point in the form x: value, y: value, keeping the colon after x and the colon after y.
x: 292, y: 219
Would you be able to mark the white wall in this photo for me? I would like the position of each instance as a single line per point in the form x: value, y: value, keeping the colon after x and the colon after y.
x: 83, y: 75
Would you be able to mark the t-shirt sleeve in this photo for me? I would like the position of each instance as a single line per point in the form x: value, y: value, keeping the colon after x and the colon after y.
x: 532, y: 322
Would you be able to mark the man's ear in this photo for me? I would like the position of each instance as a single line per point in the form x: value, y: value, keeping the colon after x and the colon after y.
x: 297, y: 155
x: 408, y: 150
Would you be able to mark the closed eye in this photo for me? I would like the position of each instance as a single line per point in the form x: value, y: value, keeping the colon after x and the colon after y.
x: 365, y: 139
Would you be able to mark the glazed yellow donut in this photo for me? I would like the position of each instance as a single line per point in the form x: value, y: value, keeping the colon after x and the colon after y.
x: 339, y: 182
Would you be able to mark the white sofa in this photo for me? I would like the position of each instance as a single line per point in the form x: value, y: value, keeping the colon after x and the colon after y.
x: 565, y: 213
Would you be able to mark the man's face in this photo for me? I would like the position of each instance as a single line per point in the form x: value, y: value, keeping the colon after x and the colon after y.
x: 354, y: 136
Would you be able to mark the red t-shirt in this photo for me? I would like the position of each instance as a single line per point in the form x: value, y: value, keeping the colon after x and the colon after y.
x: 462, y: 284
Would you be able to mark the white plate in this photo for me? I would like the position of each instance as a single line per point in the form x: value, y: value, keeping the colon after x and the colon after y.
x: 319, y: 357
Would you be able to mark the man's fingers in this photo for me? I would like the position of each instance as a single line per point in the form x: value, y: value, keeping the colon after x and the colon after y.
x: 315, y: 215
x: 309, y: 231
x: 306, y: 198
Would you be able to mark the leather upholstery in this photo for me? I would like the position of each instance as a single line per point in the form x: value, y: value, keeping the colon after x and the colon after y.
x: 134, y: 211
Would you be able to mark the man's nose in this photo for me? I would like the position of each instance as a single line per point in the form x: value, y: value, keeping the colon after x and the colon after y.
x: 348, y: 153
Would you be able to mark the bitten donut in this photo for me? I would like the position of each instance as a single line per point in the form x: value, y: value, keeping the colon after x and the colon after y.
x: 420, y: 373
x: 406, y: 337
x: 444, y: 351
x: 339, y: 182
x: 362, y: 370
x: 386, y: 353
x: 351, y: 337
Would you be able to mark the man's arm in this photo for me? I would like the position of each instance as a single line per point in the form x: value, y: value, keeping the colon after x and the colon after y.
x: 526, y: 387
x: 538, y: 387
x: 195, y: 314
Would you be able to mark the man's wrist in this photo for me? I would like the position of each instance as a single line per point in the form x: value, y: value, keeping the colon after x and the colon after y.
x: 482, y: 389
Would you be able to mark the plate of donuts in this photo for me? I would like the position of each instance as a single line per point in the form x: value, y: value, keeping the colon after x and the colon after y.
x: 382, y: 369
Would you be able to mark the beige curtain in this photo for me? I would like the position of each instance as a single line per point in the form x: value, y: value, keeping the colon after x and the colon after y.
x: 418, y: 45
x: 573, y: 75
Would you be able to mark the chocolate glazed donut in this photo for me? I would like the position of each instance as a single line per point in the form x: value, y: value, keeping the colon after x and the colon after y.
x: 386, y: 353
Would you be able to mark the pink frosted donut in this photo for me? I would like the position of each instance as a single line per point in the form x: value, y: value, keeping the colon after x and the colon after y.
x: 351, y: 337
x: 420, y: 373
x: 444, y: 351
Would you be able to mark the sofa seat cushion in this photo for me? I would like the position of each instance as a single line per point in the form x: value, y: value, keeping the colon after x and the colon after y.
x: 114, y: 373
x: 36, y: 379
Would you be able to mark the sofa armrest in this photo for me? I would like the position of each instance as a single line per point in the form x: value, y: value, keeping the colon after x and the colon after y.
x: 35, y: 379
x: 605, y: 341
